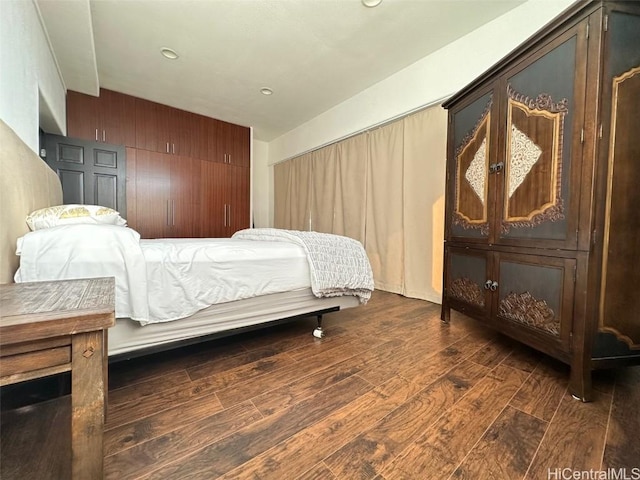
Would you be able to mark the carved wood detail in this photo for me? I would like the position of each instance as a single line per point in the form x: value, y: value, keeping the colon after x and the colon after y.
x: 524, y: 308
x: 468, y: 291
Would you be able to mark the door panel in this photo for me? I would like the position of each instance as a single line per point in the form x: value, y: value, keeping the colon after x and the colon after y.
x: 544, y: 118
x: 153, y: 188
x: 469, y: 181
x: 91, y: 173
x: 238, y: 217
x: 214, y: 187
x: 185, y: 197
x: 621, y: 275
x: 536, y: 293
x: 466, y: 283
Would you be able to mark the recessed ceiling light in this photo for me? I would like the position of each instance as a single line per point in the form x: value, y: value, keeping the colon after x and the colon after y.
x: 169, y: 53
x: 266, y: 91
x: 371, y: 3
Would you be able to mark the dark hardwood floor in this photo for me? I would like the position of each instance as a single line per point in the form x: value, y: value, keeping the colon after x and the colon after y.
x: 390, y: 393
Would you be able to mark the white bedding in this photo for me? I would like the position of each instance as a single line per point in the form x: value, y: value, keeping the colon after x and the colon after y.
x: 165, y: 279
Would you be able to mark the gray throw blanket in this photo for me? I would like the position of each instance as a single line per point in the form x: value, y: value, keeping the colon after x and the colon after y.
x: 338, y: 265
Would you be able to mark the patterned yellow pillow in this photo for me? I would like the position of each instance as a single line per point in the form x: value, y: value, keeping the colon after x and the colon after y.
x: 73, y: 214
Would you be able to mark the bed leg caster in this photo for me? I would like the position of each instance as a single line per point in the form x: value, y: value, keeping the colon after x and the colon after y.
x: 318, y: 332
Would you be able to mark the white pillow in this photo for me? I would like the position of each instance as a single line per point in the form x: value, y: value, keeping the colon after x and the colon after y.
x: 73, y: 214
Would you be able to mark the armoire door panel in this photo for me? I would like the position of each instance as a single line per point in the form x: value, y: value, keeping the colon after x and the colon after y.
x: 621, y: 250
x: 544, y: 110
x: 536, y: 293
x: 469, y: 192
x: 468, y: 272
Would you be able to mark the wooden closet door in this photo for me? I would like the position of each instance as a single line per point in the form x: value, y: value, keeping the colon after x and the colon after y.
x: 213, y: 191
x: 153, y: 189
x: 82, y: 116
x: 238, y: 199
x: 117, y: 118
x: 185, y: 209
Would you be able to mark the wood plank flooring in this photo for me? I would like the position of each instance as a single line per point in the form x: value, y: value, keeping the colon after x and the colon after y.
x: 390, y: 393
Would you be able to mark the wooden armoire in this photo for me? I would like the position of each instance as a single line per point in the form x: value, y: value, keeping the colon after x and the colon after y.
x: 542, y: 234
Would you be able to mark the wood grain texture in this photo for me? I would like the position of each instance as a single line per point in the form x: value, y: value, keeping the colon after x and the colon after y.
x: 506, y: 448
x: 575, y: 438
x: 439, y: 448
x: 443, y: 410
x: 542, y: 392
x: 366, y: 455
x: 622, y: 447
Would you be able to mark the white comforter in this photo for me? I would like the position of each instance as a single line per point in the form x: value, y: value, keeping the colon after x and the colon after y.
x: 167, y: 279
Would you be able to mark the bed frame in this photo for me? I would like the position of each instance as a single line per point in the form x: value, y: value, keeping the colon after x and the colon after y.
x: 27, y: 184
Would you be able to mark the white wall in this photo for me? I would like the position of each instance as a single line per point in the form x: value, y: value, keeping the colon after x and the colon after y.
x: 262, y: 180
x: 429, y: 80
x: 28, y: 73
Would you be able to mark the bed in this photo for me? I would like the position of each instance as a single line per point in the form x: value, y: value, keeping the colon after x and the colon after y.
x: 261, y: 276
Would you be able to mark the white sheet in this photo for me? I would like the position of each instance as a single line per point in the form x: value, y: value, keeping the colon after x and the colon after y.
x: 166, y: 279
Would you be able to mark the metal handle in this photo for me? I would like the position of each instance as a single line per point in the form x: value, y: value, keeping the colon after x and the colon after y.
x: 229, y: 216
x: 173, y: 212
x: 225, y: 214
x: 96, y: 134
x: 168, y: 213
x: 494, y: 286
x: 104, y: 135
x: 487, y: 285
x: 229, y: 158
x: 173, y: 148
x: 499, y: 167
x: 167, y: 147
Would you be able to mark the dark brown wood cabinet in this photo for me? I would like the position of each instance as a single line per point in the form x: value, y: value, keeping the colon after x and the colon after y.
x: 225, y: 197
x: 187, y: 175
x: 232, y: 143
x: 541, y: 237
x: 108, y: 118
x: 167, y: 195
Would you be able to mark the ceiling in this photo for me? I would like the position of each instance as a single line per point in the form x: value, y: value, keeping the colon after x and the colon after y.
x: 313, y: 54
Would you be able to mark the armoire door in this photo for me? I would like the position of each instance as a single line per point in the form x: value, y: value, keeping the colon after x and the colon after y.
x: 90, y: 173
x: 538, y: 198
x: 470, y: 180
x: 534, y: 298
x: 619, y: 302
x: 468, y: 282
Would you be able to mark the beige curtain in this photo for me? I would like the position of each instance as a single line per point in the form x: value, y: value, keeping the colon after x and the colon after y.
x: 351, y: 188
x: 292, y: 193
x: 384, y: 237
x: 425, y: 153
x: 324, y: 164
x: 384, y: 188
x: 281, y: 195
